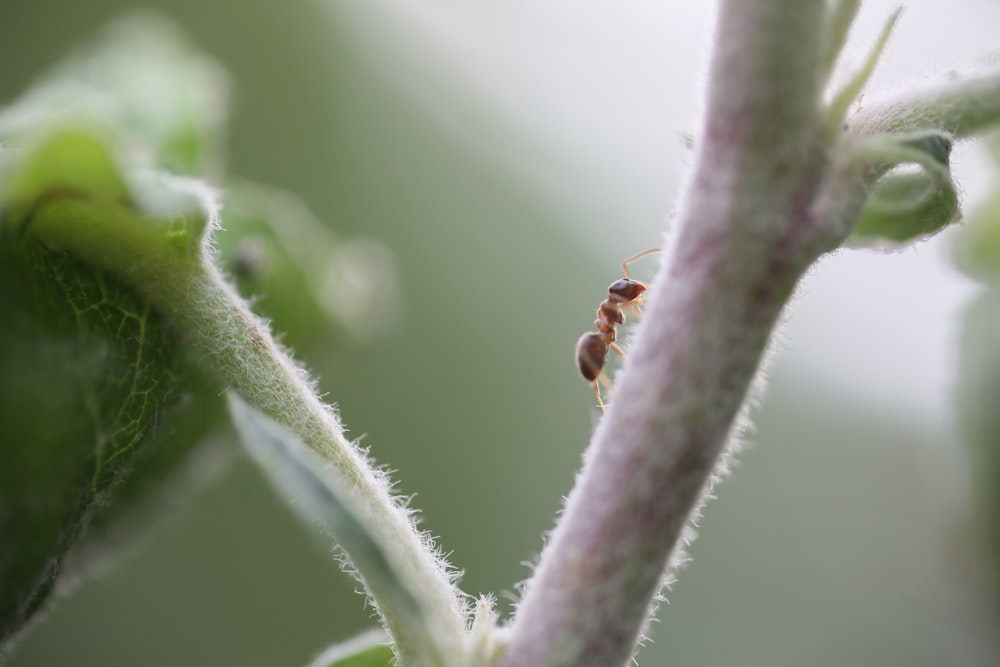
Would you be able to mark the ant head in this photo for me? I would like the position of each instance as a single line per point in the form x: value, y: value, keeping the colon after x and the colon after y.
x: 624, y: 290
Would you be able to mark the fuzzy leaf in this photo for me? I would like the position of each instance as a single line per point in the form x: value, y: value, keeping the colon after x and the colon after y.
x: 317, y: 493
x: 89, y: 374
x: 93, y: 376
x: 368, y: 650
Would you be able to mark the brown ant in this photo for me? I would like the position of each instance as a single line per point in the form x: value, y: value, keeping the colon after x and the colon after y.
x: 592, y: 348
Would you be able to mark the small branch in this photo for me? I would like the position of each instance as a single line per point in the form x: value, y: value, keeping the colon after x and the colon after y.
x: 845, y: 97
x: 745, y: 238
x: 316, y: 487
x: 964, y: 106
x: 243, y: 350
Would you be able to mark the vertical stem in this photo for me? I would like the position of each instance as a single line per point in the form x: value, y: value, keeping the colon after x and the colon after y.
x: 745, y: 238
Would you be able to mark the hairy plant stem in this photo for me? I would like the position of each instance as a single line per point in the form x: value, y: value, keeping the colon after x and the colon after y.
x: 259, y: 371
x: 963, y: 106
x: 180, y: 279
x: 747, y: 232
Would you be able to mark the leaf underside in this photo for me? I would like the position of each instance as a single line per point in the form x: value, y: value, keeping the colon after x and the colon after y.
x: 89, y: 374
x: 96, y: 386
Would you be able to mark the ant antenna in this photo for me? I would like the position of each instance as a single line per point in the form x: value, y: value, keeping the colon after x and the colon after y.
x: 635, y: 258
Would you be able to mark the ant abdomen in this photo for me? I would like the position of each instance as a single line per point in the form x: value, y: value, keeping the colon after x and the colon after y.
x: 591, y: 351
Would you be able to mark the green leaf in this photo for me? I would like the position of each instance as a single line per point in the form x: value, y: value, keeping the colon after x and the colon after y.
x: 89, y: 374
x: 914, y: 197
x: 93, y: 374
x: 368, y: 650
x: 74, y: 160
x: 97, y: 385
x: 321, y: 497
x: 144, y: 83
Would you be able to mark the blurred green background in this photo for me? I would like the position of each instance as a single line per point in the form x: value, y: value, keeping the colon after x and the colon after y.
x: 509, y: 156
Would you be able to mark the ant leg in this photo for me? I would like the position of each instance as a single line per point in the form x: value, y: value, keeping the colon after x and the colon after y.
x: 597, y: 393
x: 634, y: 309
x: 634, y: 258
x: 609, y: 387
x: 614, y: 346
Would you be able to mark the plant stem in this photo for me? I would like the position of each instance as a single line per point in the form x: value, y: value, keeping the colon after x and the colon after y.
x: 963, y: 106
x: 746, y: 235
x: 244, y: 352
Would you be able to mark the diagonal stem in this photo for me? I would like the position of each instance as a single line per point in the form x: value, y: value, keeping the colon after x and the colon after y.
x: 745, y: 238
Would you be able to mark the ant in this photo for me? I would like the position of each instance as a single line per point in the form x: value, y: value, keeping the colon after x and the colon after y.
x: 592, y: 348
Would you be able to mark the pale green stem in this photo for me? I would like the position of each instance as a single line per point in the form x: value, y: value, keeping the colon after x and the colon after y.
x: 962, y: 106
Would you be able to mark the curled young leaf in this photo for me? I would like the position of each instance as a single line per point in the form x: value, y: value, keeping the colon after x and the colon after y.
x: 913, y: 195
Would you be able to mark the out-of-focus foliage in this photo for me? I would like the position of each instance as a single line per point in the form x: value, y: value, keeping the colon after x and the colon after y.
x: 299, y: 273
x: 977, y: 249
x: 977, y: 253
